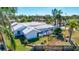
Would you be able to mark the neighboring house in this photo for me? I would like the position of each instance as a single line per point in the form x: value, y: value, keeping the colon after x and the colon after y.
x: 13, y: 20
x: 14, y: 24
x: 39, y: 19
x: 34, y: 24
x: 32, y: 29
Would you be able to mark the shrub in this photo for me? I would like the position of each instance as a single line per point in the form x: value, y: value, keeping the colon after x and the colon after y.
x: 58, y: 34
x: 57, y: 31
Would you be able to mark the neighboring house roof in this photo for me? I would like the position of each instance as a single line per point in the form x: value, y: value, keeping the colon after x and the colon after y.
x: 34, y: 23
x: 13, y: 24
x: 44, y: 26
x: 30, y: 24
x: 12, y: 20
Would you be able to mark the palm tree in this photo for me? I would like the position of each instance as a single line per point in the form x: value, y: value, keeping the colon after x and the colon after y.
x: 72, y: 24
x: 2, y: 30
x: 3, y: 38
x: 54, y: 13
x: 57, y: 16
x: 6, y: 12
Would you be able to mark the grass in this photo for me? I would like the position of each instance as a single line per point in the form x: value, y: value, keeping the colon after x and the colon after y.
x: 75, y: 36
x: 19, y: 46
x: 0, y: 38
x: 8, y: 42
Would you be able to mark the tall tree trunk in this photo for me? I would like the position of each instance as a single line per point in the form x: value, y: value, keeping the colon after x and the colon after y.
x: 3, y: 40
x: 38, y: 36
x: 12, y: 42
x: 59, y: 22
x: 70, y: 35
x: 55, y: 22
x: 10, y: 34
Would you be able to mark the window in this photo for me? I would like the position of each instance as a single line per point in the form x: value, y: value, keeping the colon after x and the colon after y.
x: 18, y: 32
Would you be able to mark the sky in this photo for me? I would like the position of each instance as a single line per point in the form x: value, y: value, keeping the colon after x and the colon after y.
x: 46, y: 10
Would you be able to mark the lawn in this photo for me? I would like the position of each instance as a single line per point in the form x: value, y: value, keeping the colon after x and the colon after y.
x: 8, y: 42
x: 19, y: 46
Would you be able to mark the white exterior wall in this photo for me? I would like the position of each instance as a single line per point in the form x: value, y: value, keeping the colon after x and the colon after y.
x: 19, y: 29
x: 31, y: 35
x: 45, y: 33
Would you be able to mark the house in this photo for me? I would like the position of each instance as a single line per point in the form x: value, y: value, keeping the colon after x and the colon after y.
x: 32, y: 29
x: 44, y: 29
x: 17, y: 29
x: 30, y: 33
x: 34, y: 32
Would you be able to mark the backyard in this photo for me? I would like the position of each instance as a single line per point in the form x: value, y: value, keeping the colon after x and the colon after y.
x: 48, y: 40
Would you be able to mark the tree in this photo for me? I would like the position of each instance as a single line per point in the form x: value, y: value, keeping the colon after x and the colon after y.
x: 3, y: 38
x: 54, y: 13
x: 72, y: 24
x: 57, y: 16
x: 48, y: 19
x: 6, y: 12
x: 58, y: 33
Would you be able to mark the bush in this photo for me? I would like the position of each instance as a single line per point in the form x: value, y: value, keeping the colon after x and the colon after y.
x: 58, y: 34
x: 57, y: 31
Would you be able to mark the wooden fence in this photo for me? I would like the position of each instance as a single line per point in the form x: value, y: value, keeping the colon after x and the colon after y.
x: 54, y: 48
